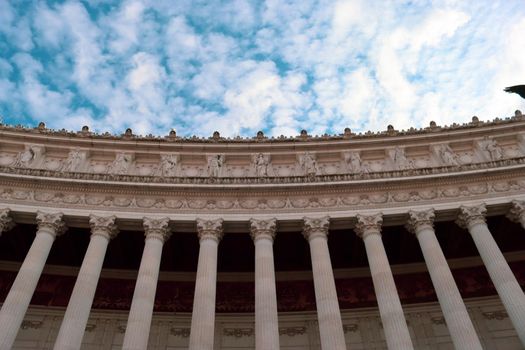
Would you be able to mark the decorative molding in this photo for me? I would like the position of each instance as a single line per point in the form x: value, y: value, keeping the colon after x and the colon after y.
x: 472, y: 215
x: 103, y: 226
x: 368, y: 224
x: 210, y: 229
x: 292, y: 331
x: 157, y: 228
x: 27, y: 324
x: 419, y: 220
x: 238, y: 332
x: 263, y: 229
x: 180, y: 332
x: 315, y: 227
x: 352, y: 327
x: 438, y: 320
x: 51, y: 223
x: 499, y: 315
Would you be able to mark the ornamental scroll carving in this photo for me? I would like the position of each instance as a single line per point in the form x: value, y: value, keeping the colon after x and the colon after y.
x: 157, y: 228
x: 6, y: 222
x: 418, y: 220
x: 315, y: 227
x: 517, y: 211
x: 368, y: 224
x: 469, y: 216
x: 103, y: 225
x: 263, y: 228
x: 209, y: 229
x: 51, y: 223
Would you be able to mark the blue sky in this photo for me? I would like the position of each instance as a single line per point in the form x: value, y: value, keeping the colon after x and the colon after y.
x: 243, y: 66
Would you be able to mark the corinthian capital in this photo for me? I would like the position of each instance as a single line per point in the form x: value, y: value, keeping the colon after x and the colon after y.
x: 419, y: 220
x: 210, y: 229
x: 6, y: 222
x: 469, y: 216
x: 263, y: 229
x: 315, y: 227
x: 517, y: 211
x: 103, y: 226
x: 157, y: 228
x: 51, y: 223
x: 368, y: 224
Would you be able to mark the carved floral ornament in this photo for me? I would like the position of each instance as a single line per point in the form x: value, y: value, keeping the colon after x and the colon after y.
x: 210, y: 229
x: 157, y: 228
x: 6, y: 222
x: 51, y: 223
x: 368, y: 224
x: 419, y: 220
x: 471, y: 216
x: 103, y: 225
x: 517, y: 211
x: 316, y: 227
x: 263, y: 228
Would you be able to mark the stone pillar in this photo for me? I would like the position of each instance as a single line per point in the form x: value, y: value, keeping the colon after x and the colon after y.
x: 6, y: 222
x: 509, y: 290
x: 456, y: 316
x: 17, y: 301
x: 157, y: 231
x: 77, y: 313
x: 315, y: 230
x: 394, y: 323
x: 517, y: 212
x: 203, y: 315
x: 266, y: 321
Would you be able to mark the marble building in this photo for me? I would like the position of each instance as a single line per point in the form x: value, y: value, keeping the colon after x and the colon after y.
x: 401, y: 239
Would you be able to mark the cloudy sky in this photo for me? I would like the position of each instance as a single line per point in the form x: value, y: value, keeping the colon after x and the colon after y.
x: 243, y: 66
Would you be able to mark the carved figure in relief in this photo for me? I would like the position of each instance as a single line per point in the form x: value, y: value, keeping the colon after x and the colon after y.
x: 74, y: 161
x: 308, y: 164
x: 121, y: 164
x: 494, y: 150
x: 169, y: 165
x: 261, y: 163
x: 31, y: 157
x: 400, y: 160
x: 354, y: 163
x: 448, y: 157
x: 215, y: 165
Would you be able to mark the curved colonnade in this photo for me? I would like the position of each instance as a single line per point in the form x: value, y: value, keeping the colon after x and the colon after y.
x: 263, y: 186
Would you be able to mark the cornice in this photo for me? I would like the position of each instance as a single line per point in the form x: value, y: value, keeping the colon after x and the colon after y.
x: 303, y: 137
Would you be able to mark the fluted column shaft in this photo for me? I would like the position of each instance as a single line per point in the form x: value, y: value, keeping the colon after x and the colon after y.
x: 77, y: 313
x: 266, y: 320
x: 17, y: 301
x: 508, y: 288
x: 140, y: 314
x: 328, y: 313
x: 394, y: 323
x: 456, y: 315
x: 203, y: 315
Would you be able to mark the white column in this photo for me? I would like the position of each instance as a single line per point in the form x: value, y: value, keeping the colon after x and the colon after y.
x: 266, y: 321
x: 394, y: 323
x: 517, y: 212
x: 315, y: 230
x: 157, y: 231
x: 77, y: 313
x: 6, y: 222
x: 508, y: 288
x: 456, y: 315
x: 15, y: 305
x: 203, y: 314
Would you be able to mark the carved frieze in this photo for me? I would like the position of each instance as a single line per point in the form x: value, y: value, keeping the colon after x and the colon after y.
x: 122, y: 164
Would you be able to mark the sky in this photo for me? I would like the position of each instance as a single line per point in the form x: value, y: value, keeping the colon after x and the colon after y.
x: 241, y: 66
